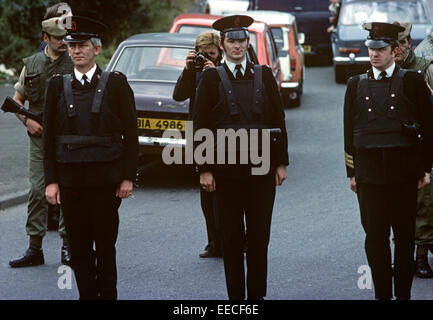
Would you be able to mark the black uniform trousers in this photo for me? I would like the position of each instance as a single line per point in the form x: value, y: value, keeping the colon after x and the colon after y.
x: 383, y: 207
x: 91, y: 217
x: 253, y: 196
x: 208, y: 206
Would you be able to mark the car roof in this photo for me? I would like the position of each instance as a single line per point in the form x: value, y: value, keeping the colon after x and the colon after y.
x: 269, y: 16
x: 201, y: 19
x: 196, y: 17
x: 161, y: 38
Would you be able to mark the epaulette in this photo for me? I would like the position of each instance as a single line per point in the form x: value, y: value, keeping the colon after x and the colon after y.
x: 415, y: 71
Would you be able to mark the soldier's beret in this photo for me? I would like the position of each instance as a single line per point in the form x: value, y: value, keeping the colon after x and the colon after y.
x: 407, y: 29
x: 54, y: 27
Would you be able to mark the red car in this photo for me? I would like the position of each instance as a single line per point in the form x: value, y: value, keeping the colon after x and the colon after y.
x: 261, y: 38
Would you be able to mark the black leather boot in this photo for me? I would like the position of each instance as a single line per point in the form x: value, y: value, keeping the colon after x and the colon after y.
x: 34, y: 256
x: 423, y: 269
x: 211, y: 252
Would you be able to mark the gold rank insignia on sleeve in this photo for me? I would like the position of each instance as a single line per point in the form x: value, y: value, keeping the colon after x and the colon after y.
x: 349, y: 160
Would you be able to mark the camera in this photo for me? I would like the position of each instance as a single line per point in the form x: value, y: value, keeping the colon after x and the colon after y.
x: 200, y: 60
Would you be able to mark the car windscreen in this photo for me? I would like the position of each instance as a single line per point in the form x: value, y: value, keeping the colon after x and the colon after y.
x: 196, y: 30
x: 152, y: 63
x: 358, y: 12
x: 293, y: 5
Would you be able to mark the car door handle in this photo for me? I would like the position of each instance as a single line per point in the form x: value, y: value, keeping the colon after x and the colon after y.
x: 298, y: 8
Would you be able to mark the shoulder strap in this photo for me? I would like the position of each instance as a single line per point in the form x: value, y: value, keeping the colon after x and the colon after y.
x: 97, y: 99
x: 363, y: 93
x: 67, y: 89
x: 397, y: 81
x: 233, y: 105
x: 258, y: 89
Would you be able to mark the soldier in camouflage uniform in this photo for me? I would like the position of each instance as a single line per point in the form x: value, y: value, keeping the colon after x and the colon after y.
x: 424, y: 220
x: 38, y: 70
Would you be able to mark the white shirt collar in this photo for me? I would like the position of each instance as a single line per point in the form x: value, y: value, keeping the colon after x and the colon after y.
x: 232, y: 66
x: 388, y: 71
x: 89, y: 74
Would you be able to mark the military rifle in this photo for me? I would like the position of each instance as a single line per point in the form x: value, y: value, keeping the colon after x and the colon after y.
x: 10, y: 105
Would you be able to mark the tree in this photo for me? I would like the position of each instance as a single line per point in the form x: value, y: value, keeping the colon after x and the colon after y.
x: 20, y: 22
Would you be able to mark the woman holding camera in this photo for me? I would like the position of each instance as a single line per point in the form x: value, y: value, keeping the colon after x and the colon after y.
x: 207, y: 54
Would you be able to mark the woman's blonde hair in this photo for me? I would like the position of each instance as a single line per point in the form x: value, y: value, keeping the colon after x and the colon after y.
x: 207, y: 39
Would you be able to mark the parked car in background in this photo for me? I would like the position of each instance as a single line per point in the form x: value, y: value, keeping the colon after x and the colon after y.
x: 152, y: 64
x: 312, y: 17
x: 215, y: 7
x: 290, y: 51
x: 261, y: 38
x: 349, y: 50
x: 428, y: 6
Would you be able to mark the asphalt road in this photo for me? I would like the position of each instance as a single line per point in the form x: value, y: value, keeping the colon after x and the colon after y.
x: 316, y: 246
x: 14, y: 149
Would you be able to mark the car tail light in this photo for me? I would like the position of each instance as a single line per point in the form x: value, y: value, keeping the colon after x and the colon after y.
x: 348, y: 50
x: 293, y: 63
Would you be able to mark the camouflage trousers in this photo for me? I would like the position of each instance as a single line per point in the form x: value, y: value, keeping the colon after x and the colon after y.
x: 37, y: 209
x: 424, y: 215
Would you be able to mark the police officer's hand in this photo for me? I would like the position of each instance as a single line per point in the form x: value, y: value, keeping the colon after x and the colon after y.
x: 353, y: 184
x: 280, y: 175
x: 431, y: 90
x: 190, y: 60
x: 34, y: 128
x: 52, y: 192
x: 125, y: 189
x: 424, y: 180
x: 207, y: 181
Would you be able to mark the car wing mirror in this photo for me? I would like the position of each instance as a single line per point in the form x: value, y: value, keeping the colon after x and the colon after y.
x: 301, y: 38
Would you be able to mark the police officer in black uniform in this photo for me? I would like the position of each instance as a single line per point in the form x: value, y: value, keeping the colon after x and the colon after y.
x: 387, y: 139
x: 238, y: 192
x: 90, y: 157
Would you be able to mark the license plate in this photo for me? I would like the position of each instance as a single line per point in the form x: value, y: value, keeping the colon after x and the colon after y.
x: 307, y: 48
x: 160, y: 124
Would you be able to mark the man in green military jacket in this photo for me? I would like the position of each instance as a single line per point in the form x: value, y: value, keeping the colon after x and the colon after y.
x: 406, y: 59
x: 37, y: 71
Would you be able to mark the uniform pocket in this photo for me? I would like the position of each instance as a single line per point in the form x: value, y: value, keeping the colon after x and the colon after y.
x: 33, y: 88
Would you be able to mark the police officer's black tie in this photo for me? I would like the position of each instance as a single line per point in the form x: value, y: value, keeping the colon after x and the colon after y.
x: 86, y: 83
x: 239, y: 75
x: 382, y: 75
